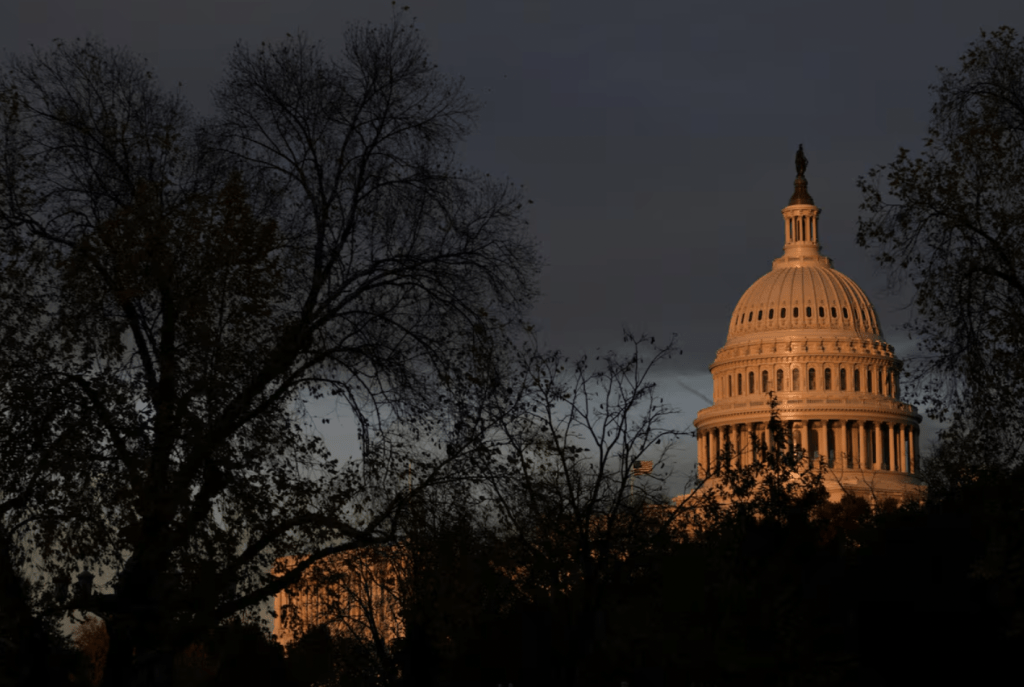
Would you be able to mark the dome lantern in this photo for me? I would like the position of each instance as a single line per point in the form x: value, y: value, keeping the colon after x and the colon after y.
x: 801, y: 216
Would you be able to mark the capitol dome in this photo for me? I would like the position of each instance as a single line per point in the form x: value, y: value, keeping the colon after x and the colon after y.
x: 806, y: 334
x: 810, y: 297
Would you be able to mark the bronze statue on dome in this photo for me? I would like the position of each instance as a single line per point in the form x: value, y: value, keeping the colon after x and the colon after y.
x: 801, y: 161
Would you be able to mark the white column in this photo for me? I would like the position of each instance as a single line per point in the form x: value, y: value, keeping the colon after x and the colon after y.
x: 908, y: 432
x: 861, y: 447
x: 806, y: 436
x: 701, y: 472
x: 716, y: 447
x: 798, y: 436
x: 912, y: 450
x: 736, y: 432
x: 900, y: 458
x: 842, y: 445
x: 823, y: 442
x: 904, y: 450
x: 878, y: 445
x: 742, y: 444
x: 895, y: 463
x: 711, y: 447
x: 748, y: 446
x: 707, y: 452
x: 734, y: 439
x: 892, y: 447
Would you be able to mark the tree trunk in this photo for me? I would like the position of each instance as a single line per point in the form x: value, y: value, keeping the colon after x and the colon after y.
x: 135, y: 659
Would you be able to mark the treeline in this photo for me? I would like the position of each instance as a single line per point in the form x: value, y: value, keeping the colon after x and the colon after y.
x: 799, y: 591
x: 781, y: 587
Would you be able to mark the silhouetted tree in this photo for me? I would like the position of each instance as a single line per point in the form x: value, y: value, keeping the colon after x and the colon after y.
x: 950, y: 221
x: 567, y: 495
x: 325, y: 658
x: 504, y: 563
x: 455, y: 591
x: 406, y: 607
x: 780, y: 483
x: 766, y: 583
x: 174, y: 291
x: 751, y: 589
x: 32, y: 650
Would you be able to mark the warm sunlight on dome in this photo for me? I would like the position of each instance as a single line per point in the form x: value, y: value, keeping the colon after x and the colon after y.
x: 808, y: 334
x: 810, y: 299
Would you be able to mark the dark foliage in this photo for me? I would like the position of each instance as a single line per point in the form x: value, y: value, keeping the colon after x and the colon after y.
x: 949, y: 222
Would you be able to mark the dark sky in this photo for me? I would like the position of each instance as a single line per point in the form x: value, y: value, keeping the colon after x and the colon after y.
x: 656, y: 139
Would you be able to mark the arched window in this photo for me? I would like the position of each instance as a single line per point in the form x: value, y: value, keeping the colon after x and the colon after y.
x: 771, y: 314
x: 879, y: 380
x: 846, y: 315
x: 828, y: 379
x: 867, y: 375
x: 833, y: 313
x: 810, y: 379
x: 750, y: 317
x: 750, y: 383
x: 808, y: 311
x: 821, y: 311
x: 782, y: 314
x: 842, y: 379
x: 764, y: 381
x: 739, y: 384
x: 778, y: 380
x: 741, y: 319
x: 796, y: 312
x: 730, y: 386
x: 796, y: 379
x: 759, y: 313
x: 888, y: 383
x: 856, y: 378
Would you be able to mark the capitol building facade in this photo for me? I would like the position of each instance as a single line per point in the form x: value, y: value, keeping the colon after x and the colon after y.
x: 807, y: 334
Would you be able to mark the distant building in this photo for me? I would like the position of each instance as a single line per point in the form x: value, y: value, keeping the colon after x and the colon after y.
x: 807, y: 333
x: 355, y: 594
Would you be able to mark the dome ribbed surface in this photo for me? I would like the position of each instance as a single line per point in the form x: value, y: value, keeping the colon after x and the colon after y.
x: 778, y: 303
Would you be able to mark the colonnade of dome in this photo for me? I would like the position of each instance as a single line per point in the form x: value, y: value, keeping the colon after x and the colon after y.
x: 808, y: 335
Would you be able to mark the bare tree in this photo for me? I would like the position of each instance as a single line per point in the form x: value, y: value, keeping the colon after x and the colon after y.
x: 573, y: 491
x: 557, y: 499
x: 176, y: 290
